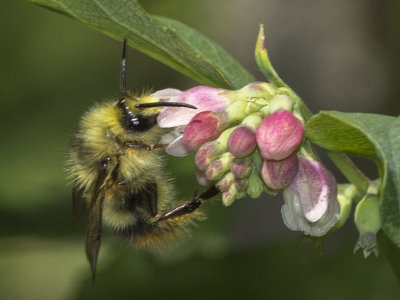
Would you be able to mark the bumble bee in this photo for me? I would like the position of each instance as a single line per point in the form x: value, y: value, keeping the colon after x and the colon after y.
x: 117, y: 170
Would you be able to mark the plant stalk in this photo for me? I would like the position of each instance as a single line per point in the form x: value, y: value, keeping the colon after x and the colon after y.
x: 350, y: 171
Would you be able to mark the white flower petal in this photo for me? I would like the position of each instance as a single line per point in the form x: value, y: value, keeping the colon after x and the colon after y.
x: 172, y: 135
x: 176, y: 148
x: 175, y: 116
x: 167, y: 94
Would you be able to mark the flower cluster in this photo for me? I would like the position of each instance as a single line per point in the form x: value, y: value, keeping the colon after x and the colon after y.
x: 249, y: 141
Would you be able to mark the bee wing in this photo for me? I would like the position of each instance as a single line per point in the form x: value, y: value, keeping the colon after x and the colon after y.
x: 95, y: 210
x: 79, y: 207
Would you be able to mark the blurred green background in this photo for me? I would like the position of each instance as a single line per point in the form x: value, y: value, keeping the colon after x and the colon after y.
x: 341, y: 55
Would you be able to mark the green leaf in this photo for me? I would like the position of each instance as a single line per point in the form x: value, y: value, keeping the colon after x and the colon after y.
x: 373, y: 136
x: 263, y: 62
x: 168, y: 41
x: 235, y: 74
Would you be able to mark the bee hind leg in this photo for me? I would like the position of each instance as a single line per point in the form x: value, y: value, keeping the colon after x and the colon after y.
x: 190, y: 206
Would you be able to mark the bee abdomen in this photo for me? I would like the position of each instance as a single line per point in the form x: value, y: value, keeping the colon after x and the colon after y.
x: 147, y: 232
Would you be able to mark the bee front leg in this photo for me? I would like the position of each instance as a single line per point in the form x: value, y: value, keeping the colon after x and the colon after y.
x: 190, y: 206
x: 145, y: 146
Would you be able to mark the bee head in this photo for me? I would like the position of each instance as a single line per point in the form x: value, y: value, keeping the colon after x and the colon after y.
x: 140, y: 114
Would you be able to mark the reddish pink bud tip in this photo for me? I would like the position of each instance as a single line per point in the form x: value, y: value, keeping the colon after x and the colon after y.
x: 279, y: 174
x: 224, y: 184
x: 204, y: 156
x: 204, y: 127
x: 241, y: 167
x: 242, y: 141
x: 279, y: 134
x: 213, y: 170
x: 241, y: 184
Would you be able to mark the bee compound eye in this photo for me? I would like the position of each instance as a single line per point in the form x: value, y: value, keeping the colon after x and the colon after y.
x: 141, y: 123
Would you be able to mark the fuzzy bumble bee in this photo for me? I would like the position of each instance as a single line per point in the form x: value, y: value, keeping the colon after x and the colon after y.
x: 119, y: 178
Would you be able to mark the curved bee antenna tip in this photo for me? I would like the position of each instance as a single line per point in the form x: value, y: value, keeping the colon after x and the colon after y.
x: 164, y: 103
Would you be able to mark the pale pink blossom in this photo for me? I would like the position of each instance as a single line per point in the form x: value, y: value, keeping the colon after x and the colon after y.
x: 310, y: 200
x: 203, y: 97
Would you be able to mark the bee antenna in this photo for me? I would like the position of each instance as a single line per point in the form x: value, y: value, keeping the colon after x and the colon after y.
x: 164, y: 103
x: 123, y: 70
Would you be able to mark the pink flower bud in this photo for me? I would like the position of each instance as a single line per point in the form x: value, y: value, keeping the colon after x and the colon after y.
x: 279, y: 134
x: 224, y: 184
x: 205, y: 155
x: 241, y: 184
x: 204, y: 127
x: 229, y: 196
x: 278, y: 174
x: 241, y: 167
x: 217, y: 168
x: 310, y: 200
x: 214, y: 170
x: 201, y: 178
x: 242, y: 141
x: 203, y: 97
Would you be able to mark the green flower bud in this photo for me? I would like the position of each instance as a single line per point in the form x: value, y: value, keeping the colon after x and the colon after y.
x: 229, y: 196
x: 211, y: 151
x: 252, y: 121
x: 216, y: 169
x: 256, y: 186
x: 237, y: 110
x: 262, y: 91
x: 368, y: 223
x: 265, y: 111
x: 281, y: 102
x: 224, y: 184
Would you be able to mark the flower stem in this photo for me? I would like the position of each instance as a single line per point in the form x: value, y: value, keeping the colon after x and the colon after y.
x: 350, y: 171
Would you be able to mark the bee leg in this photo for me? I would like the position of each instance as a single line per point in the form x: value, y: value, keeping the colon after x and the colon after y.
x: 158, y: 146
x: 190, y: 206
x: 145, y: 146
